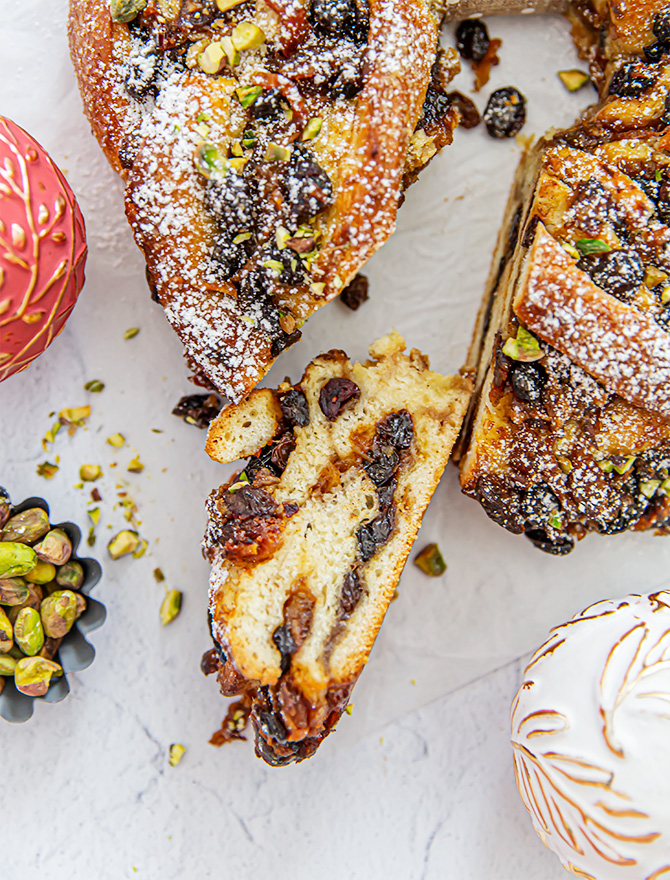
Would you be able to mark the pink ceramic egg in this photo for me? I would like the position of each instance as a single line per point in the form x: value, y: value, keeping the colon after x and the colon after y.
x: 42, y: 249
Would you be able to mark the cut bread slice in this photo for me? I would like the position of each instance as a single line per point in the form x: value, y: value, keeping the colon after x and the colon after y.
x: 307, y: 543
x: 568, y: 430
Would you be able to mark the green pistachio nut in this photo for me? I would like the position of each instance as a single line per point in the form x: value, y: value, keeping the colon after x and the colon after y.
x: 33, y: 675
x: 123, y: 543
x: 58, y: 612
x: 43, y: 573
x: 70, y: 575
x: 13, y: 591
x: 16, y: 559
x: 124, y: 11
x: 6, y: 633
x: 55, y: 547
x: 34, y: 600
x: 7, y: 664
x: 5, y: 507
x: 27, y: 527
x: 28, y: 632
x: 170, y: 606
x: 81, y: 605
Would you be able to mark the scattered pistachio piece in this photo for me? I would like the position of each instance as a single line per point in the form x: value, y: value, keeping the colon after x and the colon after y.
x: 572, y: 250
x: 350, y: 709
x: 158, y: 575
x: 89, y: 473
x: 212, y: 59
x: 32, y: 675
x: 177, y: 750
x: 74, y: 416
x: 124, y: 11
x: 94, y: 513
x: 277, y: 153
x: 94, y: 386
x: 247, y: 35
x: 170, y: 606
x: 665, y: 295
x: 282, y: 235
x: 592, y: 246
x: 317, y: 287
x: 275, y: 265
x: 225, y: 5
x: 430, y: 561
x: 123, y: 543
x: 654, y: 276
x: 524, y: 348
x: 649, y: 487
x: 207, y: 159
x: 142, y: 549
x: 131, y: 332
x: 248, y: 94
x: 230, y: 49
x: 116, y: 440
x: 47, y: 469
x: 574, y: 80
x: 312, y: 129
x: 243, y: 236
x: 135, y: 466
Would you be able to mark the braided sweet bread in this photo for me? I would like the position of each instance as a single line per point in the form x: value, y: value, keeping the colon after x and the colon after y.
x: 307, y: 544
x: 569, y: 431
x: 264, y: 147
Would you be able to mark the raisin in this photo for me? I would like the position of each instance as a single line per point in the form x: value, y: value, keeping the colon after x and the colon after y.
x: 292, y: 269
x: 374, y: 534
x: 209, y: 662
x: 269, y: 105
x: 295, y: 408
x: 228, y: 258
x: 198, y: 409
x: 231, y: 201
x: 248, y: 502
x: 539, y: 504
x: 663, y: 202
x: 501, y: 503
x: 153, y: 289
x: 282, y: 340
x: 340, y: 18
x: 397, y: 429
x: 298, y: 614
x: 559, y: 547
x: 505, y: 113
x: 195, y: 14
x: 436, y: 107
x: 528, y: 380
x: 620, y: 273
x: 282, y: 450
x: 142, y: 71
x: 630, y: 80
x: 335, y: 394
x: 661, y: 24
x: 355, y: 293
x: 272, y: 726
x: 308, y: 187
x: 472, y: 40
x: 350, y: 596
x: 286, y: 646
x: 656, y: 51
x: 383, y: 465
x: 470, y: 115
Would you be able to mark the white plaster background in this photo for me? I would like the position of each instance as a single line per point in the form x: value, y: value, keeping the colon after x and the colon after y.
x: 86, y: 784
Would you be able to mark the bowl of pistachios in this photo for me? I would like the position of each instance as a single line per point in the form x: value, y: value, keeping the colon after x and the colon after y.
x: 45, y: 607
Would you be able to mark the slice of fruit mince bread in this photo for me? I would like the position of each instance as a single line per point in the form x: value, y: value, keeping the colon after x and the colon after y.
x: 568, y: 430
x: 265, y: 147
x: 307, y: 543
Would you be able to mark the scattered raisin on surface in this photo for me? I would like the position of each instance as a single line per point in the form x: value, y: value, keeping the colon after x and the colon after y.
x: 230, y: 200
x: 472, y: 39
x: 470, y: 115
x: 528, y: 380
x: 620, y: 273
x: 355, y: 293
x: 505, y: 113
x: 631, y: 80
x: 142, y: 72
x: 209, y: 662
x: 228, y: 257
x: 309, y: 189
x: 538, y: 505
x: 340, y: 18
x: 269, y: 105
x: 559, y: 547
x: 335, y: 394
x: 198, y: 409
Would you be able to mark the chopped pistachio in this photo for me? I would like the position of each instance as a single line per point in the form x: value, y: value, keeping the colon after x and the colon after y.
x: 202, y: 117
x: 247, y: 35
x: 177, y: 750
x: 622, y: 467
x: 654, y: 276
x: 170, y: 606
x: 47, y: 469
x: 665, y: 486
x: 123, y: 543
x: 230, y: 50
x: 243, y: 236
x: 431, y: 561
x: 248, y: 94
x: 212, y: 59
x: 131, y: 332
x: 202, y: 128
x: 350, y: 709
x: 606, y: 465
x: 74, y: 415
x: 90, y: 539
x: 236, y: 148
x: 658, y: 176
x: 89, y: 473
x: 249, y: 139
x: 282, y: 235
x: 524, y: 348
x: 572, y: 250
x: 275, y: 265
x: 116, y: 440
x: 277, y: 153
x: 312, y: 129
x: 237, y: 164
x: 135, y: 466
x: 556, y: 520
x: 242, y: 480
x: 207, y: 159
x: 225, y: 5
x: 665, y: 295
x: 142, y: 549
x: 573, y: 80
x: 317, y: 287
x: 592, y: 246
x: 50, y: 435
x: 95, y: 386
x: 159, y: 577
x: 94, y: 513
x: 124, y: 11
x: 649, y: 487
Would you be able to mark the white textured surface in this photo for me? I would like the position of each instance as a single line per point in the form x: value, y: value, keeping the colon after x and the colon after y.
x: 86, y: 783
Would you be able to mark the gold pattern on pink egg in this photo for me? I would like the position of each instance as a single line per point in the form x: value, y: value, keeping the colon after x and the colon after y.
x: 42, y: 249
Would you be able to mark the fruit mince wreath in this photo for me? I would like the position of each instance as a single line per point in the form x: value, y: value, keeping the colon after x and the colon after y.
x: 308, y: 541
x: 569, y: 428
x: 264, y: 147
